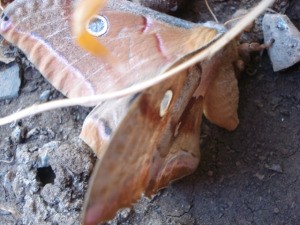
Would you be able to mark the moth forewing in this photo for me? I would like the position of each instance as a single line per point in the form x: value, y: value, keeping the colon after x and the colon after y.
x: 102, y: 121
x: 153, y: 146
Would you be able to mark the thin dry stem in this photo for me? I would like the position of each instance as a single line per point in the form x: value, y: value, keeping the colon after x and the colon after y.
x: 233, y: 19
x: 211, y: 12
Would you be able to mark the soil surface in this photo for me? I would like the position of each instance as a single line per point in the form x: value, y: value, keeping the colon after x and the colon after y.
x: 249, y: 176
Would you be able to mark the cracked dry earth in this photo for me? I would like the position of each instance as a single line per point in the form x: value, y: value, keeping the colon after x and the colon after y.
x: 249, y: 176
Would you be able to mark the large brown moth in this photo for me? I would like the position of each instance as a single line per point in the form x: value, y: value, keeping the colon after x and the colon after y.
x: 158, y: 139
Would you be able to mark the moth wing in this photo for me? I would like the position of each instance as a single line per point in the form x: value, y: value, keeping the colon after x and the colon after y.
x: 137, y: 37
x: 221, y: 97
x: 156, y: 142
x: 220, y: 103
x: 102, y: 121
x: 219, y: 87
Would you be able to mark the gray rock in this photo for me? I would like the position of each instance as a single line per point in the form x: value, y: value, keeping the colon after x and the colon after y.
x: 72, y: 160
x: 18, y: 134
x: 50, y: 193
x: 10, y: 82
x: 285, y: 50
x: 33, y: 132
x: 45, y: 152
x: 44, y: 97
x: 274, y: 167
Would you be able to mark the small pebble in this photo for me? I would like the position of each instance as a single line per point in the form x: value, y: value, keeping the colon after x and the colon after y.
x: 274, y: 167
x: 33, y: 132
x: 124, y: 213
x: 285, y: 51
x: 259, y: 176
x: 50, y: 193
x: 276, y: 210
x: 18, y: 134
x: 33, y: 149
x: 10, y: 82
x: 44, y: 97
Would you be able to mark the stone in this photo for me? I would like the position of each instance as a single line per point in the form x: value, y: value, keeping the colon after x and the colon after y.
x: 50, y: 193
x: 276, y: 210
x: 18, y: 134
x: 285, y: 51
x: 45, y: 152
x: 44, y: 97
x: 33, y: 132
x: 274, y: 167
x: 259, y: 176
x: 10, y: 81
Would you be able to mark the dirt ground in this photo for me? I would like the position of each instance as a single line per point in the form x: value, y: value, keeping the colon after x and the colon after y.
x: 249, y: 176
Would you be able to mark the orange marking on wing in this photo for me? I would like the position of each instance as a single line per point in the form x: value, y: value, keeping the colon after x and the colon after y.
x: 91, y: 44
x: 84, y: 11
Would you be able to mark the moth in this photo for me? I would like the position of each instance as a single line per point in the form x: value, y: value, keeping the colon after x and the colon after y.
x: 149, y: 139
